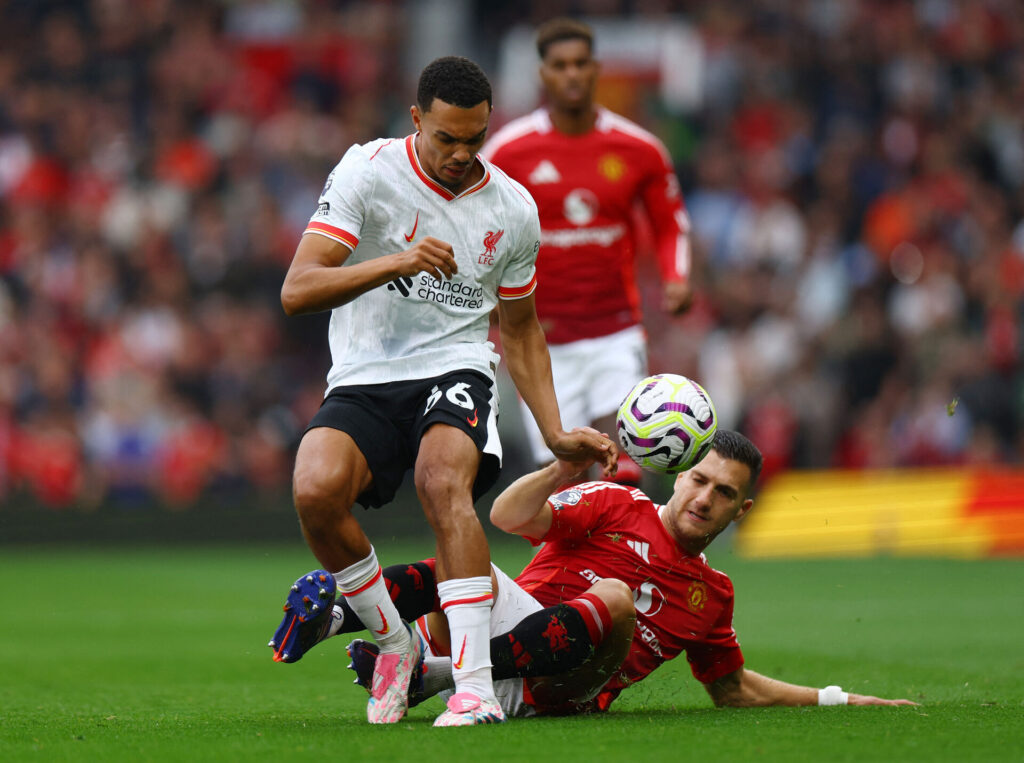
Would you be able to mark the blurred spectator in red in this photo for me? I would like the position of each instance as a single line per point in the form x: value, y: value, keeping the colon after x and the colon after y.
x: 854, y: 176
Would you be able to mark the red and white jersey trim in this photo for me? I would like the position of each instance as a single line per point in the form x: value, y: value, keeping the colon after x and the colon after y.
x: 376, y: 201
x: 440, y: 190
x: 338, y: 234
x: 518, y: 292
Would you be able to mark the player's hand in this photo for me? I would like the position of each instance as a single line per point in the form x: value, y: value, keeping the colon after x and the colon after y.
x: 429, y: 255
x: 677, y: 297
x: 584, y: 446
x: 862, y: 699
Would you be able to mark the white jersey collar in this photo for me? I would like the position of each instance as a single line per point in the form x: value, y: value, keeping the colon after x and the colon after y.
x: 440, y: 190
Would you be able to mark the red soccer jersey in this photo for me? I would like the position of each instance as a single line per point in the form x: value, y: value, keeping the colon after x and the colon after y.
x: 603, y: 530
x: 587, y: 188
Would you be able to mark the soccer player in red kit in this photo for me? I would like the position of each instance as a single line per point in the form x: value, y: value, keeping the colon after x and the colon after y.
x: 560, y: 624
x: 588, y: 169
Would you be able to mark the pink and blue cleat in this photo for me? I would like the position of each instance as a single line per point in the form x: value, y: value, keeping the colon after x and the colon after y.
x: 392, y: 675
x: 465, y: 709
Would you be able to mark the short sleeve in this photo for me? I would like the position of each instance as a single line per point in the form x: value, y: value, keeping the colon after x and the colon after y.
x: 577, y: 512
x: 341, y: 209
x: 519, y: 279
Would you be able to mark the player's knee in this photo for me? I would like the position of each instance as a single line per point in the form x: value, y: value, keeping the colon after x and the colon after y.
x: 442, y: 490
x: 618, y: 597
x: 448, y: 518
x: 319, y: 499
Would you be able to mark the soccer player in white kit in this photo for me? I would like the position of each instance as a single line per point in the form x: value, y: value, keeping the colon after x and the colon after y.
x: 413, y: 243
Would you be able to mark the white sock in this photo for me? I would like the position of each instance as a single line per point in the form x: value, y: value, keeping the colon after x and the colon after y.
x: 337, y: 620
x: 363, y: 587
x: 437, y: 675
x: 467, y: 605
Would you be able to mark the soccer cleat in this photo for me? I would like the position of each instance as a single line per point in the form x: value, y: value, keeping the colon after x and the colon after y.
x: 465, y: 709
x: 364, y: 658
x: 389, y: 687
x: 307, y: 616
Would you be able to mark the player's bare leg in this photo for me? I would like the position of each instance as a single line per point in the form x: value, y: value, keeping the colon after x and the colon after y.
x: 445, y: 471
x: 330, y: 472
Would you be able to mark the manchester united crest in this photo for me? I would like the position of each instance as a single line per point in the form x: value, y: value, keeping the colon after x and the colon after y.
x: 612, y: 167
x: 697, y: 596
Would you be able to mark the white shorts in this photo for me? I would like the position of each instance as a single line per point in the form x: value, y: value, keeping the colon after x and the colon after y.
x: 511, y: 605
x: 591, y: 376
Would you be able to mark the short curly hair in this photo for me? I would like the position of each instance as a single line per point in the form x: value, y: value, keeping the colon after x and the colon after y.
x: 454, y: 80
x: 557, y: 30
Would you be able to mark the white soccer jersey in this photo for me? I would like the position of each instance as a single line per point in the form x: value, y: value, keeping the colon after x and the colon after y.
x: 377, y: 201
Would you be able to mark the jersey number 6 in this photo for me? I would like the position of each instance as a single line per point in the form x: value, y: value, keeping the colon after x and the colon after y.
x: 456, y: 395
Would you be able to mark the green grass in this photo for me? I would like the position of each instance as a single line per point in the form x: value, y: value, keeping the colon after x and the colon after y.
x: 180, y: 672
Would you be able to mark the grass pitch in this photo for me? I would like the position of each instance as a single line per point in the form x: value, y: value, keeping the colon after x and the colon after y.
x: 159, y: 654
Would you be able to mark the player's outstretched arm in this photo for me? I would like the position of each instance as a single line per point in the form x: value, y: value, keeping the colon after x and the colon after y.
x: 522, y: 508
x: 529, y: 365
x: 315, y: 281
x: 528, y: 361
x: 586, y: 445
x: 745, y: 688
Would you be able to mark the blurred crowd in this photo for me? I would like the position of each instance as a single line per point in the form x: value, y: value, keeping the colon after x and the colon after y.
x: 855, y: 178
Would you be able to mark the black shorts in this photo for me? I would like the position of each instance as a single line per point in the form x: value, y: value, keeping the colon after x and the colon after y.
x: 388, y: 420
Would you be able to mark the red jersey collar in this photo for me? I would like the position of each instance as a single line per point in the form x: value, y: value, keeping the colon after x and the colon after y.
x: 440, y: 190
x: 602, y: 122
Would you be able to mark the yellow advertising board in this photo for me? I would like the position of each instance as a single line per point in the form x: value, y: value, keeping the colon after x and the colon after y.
x: 968, y: 512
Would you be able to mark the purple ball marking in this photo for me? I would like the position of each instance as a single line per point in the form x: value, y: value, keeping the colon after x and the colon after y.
x: 644, y: 442
x: 648, y: 442
x: 677, y: 407
x: 636, y: 411
x: 683, y: 436
x: 674, y: 407
x: 684, y: 408
x: 665, y: 451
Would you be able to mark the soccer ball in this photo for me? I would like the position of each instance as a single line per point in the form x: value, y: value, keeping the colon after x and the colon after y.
x: 666, y: 423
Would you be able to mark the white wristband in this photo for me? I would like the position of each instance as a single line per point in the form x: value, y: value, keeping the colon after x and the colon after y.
x: 832, y: 695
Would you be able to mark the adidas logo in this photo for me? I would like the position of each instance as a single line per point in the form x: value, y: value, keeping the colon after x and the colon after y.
x: 641, y: 549
x: 544, y: 172
x: 401, y: 284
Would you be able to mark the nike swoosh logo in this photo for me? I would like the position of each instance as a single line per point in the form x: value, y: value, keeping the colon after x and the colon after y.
x: 462, y: 653
x: 386, y: 629
x: 410, y: 236
x: 473, y: 421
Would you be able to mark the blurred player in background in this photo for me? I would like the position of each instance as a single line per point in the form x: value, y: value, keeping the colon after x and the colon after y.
x: 588, y: 170
x: 414, y: 241
x: 612, y: 559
